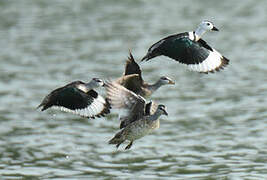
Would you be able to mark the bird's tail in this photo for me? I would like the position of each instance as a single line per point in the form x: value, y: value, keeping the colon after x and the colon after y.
x: 117, y: 139
x: 43, y: 106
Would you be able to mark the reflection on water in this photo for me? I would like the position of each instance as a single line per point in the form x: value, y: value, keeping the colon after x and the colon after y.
x: 216, y: 124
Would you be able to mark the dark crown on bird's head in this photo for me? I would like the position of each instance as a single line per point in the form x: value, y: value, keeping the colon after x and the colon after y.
x: 166, y: 80
x: 163, y: 109
x: 97, y: 82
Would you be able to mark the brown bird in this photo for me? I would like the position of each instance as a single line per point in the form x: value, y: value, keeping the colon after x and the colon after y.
x: 141, y: 118
x: 132, y: 79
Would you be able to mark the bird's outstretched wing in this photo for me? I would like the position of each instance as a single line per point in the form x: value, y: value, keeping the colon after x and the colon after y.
x: 132, y: 67
x: 131, y: 82
x: 198, y: 55
x: 122, y: 98
x: 71, y: 99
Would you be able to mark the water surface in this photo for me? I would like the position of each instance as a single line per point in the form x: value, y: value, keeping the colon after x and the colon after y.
x: 216, y: 128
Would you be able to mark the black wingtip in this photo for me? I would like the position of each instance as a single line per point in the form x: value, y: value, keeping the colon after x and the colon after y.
x: 145, y: 58
x: 214, y: 29
x: 108, y: 106
x: 106, y: 109
x: 225, y: 61
x: 104, y: 112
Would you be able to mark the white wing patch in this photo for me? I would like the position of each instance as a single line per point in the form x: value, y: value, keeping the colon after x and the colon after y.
x: 191, y: 35
x: 212, y: 63
x: 94, y: 109
x: 82, y: 87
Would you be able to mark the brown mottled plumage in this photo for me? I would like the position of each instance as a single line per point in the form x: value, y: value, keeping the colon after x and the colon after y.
x: 141, y: 119
x: 133, y: 81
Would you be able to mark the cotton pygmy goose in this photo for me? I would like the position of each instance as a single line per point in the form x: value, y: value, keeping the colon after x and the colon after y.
x: 188, y: 48
x: 79, y: 98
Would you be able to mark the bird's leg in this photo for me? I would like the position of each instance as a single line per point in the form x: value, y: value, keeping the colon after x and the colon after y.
x: 129, y: 145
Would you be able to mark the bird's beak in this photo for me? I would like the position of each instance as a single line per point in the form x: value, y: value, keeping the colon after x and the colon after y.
x: 165, y: 112
x: 171, y: 82
x: 104, y: 84
x: 214, y: 29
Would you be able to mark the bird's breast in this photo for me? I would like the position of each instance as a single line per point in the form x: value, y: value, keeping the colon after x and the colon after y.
x: 141, y: 129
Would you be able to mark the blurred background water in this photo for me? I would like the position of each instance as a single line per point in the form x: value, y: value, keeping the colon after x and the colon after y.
x: 216, y: 128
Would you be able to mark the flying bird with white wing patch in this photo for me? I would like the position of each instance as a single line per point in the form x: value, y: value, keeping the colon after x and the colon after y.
x: 188, y: 48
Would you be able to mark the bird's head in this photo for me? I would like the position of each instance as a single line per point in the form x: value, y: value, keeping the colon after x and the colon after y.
x: 97, y: 82
x: 166, y: 80
x: 162, y: 109
x: 208, y: 26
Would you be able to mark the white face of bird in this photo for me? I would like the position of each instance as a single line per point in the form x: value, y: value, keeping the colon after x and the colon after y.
x: 162, y: 108
x: 166, y: 80
x: 97, y: 82
x: 208, y: 26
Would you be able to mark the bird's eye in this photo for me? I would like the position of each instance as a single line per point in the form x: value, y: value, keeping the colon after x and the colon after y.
x: 208, y: 24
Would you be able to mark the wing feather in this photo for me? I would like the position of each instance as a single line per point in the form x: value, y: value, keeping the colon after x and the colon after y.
x: 71, y: 99
x: 122, y: 98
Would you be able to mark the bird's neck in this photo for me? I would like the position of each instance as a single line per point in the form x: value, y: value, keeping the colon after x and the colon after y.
x: 85, y: 87
x: 155, y: 116
x: 199, y: 33
x: 155, y: 86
